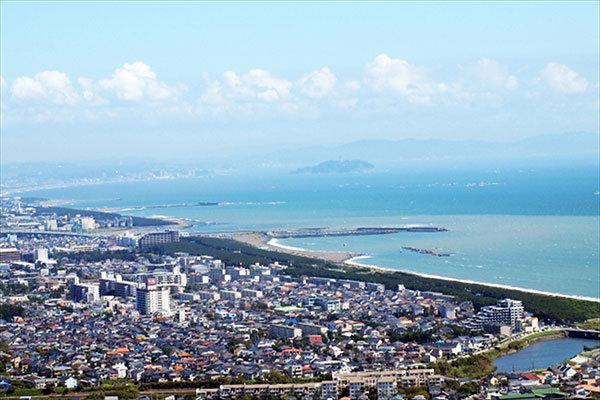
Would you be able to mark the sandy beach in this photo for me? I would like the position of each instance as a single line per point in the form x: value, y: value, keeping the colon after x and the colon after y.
x: 353, y: 262
x: 263, y: 241
x: 174, y: 223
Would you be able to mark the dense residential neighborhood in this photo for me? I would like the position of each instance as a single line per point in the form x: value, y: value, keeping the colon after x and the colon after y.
x: 233, y: 331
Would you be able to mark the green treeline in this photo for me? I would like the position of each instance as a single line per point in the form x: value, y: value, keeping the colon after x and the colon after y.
x: 8, y: 311
x: 472, y: 367
x: 232, y: 252
x: 96, y: 256
x: 99, y: 215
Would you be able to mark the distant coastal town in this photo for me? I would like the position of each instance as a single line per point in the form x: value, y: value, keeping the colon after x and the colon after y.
x: 103, y: 305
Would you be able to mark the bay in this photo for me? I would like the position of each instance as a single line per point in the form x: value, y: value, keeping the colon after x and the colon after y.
x: 535, y: 229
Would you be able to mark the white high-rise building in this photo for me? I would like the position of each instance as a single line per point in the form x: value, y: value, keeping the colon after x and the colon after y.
x: 50, y: 225
x: 152, y: 298
x: 85, y: 292
x: 505, y: 312
x: 41, y: 254
x: 88, y: 223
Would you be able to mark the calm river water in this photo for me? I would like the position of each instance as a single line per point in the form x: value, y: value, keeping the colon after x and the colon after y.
x: 542, y: 355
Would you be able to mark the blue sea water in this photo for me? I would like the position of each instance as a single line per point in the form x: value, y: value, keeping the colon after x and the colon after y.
x: 556, y: 254
x: 529, y: 228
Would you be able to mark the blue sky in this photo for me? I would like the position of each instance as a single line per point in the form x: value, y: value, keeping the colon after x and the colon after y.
x: 96, y: 79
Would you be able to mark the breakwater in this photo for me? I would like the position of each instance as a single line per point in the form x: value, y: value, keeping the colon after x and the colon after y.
x: 425, y: 251
x: 323, y: 232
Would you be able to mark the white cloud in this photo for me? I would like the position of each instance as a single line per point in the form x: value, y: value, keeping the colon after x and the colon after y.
x: 25, y: 87
x: 46, y: 85
x: 212, y: 93
x: 88, y: 88
x: 231, y: 79
x: 512, y: 83
x: 317, y: 83
x: 562, y: 79
x: 2, y: 82
x: 347, y: 103
x: 136, y: 82
x: 263, y: 79
x: 491, y: 72
x: 255, y: 85
x: 131, y: 82
x: 352, y: 85
x: 386, y: 73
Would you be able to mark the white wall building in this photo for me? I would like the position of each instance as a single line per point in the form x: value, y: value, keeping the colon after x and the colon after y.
x: 152, y: 298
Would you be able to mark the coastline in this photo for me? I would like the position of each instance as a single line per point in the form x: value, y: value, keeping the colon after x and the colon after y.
x: 12, y: 190
x: 467, y: 281
x: 261, y: 240
x: 175, y: 222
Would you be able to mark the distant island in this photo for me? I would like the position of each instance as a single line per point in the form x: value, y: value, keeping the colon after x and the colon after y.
x: 336, y: 167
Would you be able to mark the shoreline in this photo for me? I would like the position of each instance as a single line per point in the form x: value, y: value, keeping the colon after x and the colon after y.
x: 261, y: 240
x: 12, y: 190
x: 467, y: 281
x: 264, y: 241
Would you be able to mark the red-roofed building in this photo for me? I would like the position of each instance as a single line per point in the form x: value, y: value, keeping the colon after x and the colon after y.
x: 315, y: 339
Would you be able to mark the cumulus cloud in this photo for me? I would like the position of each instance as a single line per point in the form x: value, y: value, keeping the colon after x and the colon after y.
x: 135, y: 82
x: 352, y: 85
x: 131, y: 82
x: 317, y: 83
x: 260, y: 93
x: 257, y: 83
x: 53, y: 86
x: 492, y: 73
x: 562, y: 79
x: 386, y: 73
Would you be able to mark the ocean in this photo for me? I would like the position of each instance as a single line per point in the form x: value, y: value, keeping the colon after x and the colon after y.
x: 533, y: 228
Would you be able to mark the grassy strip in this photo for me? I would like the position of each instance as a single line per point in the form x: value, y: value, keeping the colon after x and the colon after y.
x: 589, y: 324
x: 526, y: 341
x: 531, y: 337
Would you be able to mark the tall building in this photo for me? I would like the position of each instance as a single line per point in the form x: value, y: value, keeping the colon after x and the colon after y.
x: 41, y: 254
x: 114, y: 285
x: 9, y: 254
x: 50, y: 225
x: 153, y: 239
x: 172, y: 277
x: 505, y: 312
x: 152, y: 298
x: 88, y: 223
x: 84, y: 292
x: 128, y: 239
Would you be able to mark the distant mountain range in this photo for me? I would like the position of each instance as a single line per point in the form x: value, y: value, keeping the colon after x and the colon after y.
x: 339, y: 167
x: 404, y: 154
x: 390, y: 153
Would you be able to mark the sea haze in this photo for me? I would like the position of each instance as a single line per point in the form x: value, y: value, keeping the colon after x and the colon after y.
x: 531, y: 227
